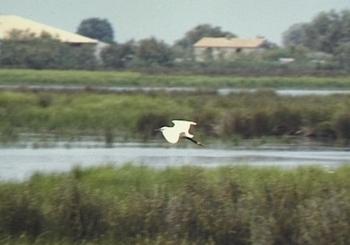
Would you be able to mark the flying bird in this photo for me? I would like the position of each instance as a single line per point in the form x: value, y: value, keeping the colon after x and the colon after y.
x: 179, y: 130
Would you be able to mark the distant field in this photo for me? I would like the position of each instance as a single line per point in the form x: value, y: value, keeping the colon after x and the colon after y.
x: 112, y: 78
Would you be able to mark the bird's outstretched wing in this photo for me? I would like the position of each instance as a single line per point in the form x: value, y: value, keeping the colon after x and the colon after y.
x: 171, y: 136
x: 183, y: 126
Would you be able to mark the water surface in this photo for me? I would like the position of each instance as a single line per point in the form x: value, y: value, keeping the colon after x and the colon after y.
x: 20, y: 163
x: 143, y: 89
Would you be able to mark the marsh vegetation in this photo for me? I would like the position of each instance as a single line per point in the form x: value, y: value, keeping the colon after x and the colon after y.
x: 188, y: 205
x: 134, y: 116
x: 132, y: 78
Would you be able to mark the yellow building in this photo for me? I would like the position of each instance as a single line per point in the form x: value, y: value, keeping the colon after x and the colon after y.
x: 224, y: 48
x: 11, y: 23
x: 8, y: 23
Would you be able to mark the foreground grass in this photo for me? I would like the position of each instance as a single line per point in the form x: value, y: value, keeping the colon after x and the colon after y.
x: 105, y: 78
x: 188, y: 205
x: 120, y: 117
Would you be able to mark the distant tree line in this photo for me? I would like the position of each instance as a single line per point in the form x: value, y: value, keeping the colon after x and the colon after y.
x: 25, y: 50
x: 322, y: 45
x: 328, y: 32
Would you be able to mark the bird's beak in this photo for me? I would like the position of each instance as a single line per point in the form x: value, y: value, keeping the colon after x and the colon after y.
x: 157, y: 130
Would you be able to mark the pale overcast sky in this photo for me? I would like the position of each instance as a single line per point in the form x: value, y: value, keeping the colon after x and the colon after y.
x: 170, y: 19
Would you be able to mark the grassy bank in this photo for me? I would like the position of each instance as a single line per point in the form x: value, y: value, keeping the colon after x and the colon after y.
x: 188, y: 205
x: 105, y: 78
x: 122, y: 117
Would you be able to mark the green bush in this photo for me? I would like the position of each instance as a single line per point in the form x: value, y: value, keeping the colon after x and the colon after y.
x: 148, y: 122
x: 342, y: 125
x: 286, y: 121
x: 44, y: 52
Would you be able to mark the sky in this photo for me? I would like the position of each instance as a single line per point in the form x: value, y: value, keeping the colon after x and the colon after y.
x: 169, y: 20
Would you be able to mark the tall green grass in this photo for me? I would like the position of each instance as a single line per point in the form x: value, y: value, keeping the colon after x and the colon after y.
x: 109, y: 78
x: 122, y: 117
x: 188, y: 205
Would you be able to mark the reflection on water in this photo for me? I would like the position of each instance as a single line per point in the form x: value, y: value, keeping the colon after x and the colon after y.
x: 20, y: 163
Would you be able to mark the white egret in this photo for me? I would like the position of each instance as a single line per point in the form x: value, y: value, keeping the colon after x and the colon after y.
x: 179, y: 130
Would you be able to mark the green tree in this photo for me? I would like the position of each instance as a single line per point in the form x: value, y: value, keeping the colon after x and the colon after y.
x: 342, y: 55
x: 295, y: 35
x: 118, y: 55
x: 82, y: 57
x: 24, y: 49
x: 345, y: 26
x: 100, y: 29
x: 153, y: 52
x: 326, y: 32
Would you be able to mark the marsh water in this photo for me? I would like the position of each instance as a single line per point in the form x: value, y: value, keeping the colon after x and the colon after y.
x: 19, y: 163
x: 124, y: 89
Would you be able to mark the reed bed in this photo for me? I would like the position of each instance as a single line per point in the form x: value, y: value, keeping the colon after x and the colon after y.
x: 134, y: 116
x: 187, y: 205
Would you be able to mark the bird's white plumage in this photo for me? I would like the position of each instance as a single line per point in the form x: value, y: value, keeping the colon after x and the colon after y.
x: 180, y: 129
x: 183, y: 127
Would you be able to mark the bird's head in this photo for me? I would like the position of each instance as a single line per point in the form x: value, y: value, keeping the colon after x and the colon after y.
x: 160, y: 129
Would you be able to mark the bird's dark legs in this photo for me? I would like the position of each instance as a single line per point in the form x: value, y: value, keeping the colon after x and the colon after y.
x: 194, y: 141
